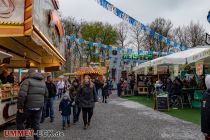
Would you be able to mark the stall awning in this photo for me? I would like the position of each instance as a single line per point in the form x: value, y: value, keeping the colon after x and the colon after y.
x: 180, y: 58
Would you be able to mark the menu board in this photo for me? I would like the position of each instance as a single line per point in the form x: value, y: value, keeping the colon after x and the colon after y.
x: 162, y: 103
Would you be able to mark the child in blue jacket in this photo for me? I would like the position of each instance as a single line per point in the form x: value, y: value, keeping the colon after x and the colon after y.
x: 65, y: 109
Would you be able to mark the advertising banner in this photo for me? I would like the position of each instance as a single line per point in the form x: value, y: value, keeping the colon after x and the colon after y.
x: 47, y: 19
x: 199, y: 68
x: 12, y: 11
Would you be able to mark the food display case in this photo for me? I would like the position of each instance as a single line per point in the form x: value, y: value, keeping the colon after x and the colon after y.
x: 8, y: 102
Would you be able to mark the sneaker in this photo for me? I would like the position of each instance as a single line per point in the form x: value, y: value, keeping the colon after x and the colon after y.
x: 68, y: 125
x: 64, y: 128
x: 105, y: 101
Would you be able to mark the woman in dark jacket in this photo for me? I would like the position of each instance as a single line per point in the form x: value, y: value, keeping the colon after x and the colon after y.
x: 86, y: 98
x: 105, y: 92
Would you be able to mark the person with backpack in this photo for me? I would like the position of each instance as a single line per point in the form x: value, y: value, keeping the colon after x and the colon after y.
x: 86, y: 98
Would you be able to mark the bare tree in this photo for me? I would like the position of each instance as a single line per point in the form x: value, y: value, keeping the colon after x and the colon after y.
x: 190, y: 36
x: 196, y: 34
x: 138, y: 37
x: 122, y: 31
x: 180, y: 35
x: 161, y: 26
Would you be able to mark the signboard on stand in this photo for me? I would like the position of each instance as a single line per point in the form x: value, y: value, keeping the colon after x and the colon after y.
x: 199, y: 68
x: 176, y: 70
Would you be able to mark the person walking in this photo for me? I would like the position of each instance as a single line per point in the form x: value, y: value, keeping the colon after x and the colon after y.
x: 87, y: 97
x: 119, y: 87
x: 33, y: 92
x: 98, y: 86
x: 205, y: 110
x: 131, y: 84
x: 110, y: 86
x: 105, y: 92
x: 50, y: 102
x: 65, y: 110
x: 73, y: 91
x: 60, y: 86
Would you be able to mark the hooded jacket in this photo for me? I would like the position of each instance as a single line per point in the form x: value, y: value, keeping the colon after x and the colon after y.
x: 33, y: 92
x: 205, y: 108
x: 65, y: 106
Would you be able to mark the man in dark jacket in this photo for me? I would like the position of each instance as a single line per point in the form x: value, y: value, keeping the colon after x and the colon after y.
x: 205, y: 110
x: 32, y: 94
x: 52, y: 93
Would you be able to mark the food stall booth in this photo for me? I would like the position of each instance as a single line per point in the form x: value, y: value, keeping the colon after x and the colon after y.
x: 92, y: 71
x: 31, y: 32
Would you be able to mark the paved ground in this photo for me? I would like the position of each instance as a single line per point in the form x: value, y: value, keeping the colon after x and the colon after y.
x: 126, y: 120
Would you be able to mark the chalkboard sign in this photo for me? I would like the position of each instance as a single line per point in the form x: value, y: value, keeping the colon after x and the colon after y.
x: 162, y: 103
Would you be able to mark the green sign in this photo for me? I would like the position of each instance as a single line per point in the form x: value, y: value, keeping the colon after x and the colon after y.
x: 137, y: 57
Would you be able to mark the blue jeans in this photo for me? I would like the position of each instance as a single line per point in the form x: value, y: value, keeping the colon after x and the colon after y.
x: 66, y: 119
x: 50, y: 108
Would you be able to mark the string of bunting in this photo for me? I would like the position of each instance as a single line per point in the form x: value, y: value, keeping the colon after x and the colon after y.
x: 149, y: 31
x: 127, y: 50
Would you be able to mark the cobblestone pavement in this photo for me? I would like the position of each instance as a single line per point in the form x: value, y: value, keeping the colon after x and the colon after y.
x: 121, y: 119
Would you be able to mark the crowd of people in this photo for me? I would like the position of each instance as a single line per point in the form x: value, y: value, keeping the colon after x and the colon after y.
x: 172, y: 87
x: 36, y: 100
x: 126, y: 86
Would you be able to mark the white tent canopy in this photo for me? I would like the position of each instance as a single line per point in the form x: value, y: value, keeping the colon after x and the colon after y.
x: 184, y: 57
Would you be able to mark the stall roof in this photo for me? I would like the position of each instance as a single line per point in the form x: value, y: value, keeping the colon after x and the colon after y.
x: 189, y: 56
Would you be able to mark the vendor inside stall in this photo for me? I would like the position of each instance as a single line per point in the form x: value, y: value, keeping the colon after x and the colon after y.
x: 4, y: 77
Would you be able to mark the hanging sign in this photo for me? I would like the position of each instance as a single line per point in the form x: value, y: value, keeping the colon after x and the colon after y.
x: 199, y: 68
x: 176, y: 70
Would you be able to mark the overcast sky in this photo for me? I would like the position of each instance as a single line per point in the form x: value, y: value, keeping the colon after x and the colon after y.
x: 180, y: 12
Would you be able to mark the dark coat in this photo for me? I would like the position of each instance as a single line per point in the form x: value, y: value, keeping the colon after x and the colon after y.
x: 33, y: 92
x: 105, y: 90
x: 169, y: 86
x: 98, y: 84
x: 87, y: 96
x: 3, y: 79
x: 205, y: 113
x: 176, y: 89
x: 51, y: 89
x: 73, y: 91
x: 65, y: 107
x: 132, y: 83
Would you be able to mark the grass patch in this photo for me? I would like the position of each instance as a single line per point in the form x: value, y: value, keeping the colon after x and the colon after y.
x: 187, y: 114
